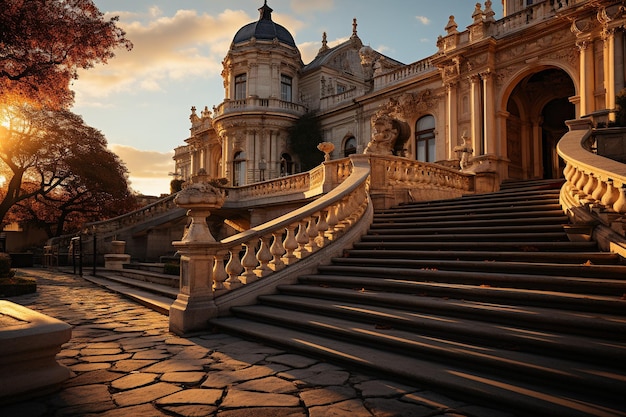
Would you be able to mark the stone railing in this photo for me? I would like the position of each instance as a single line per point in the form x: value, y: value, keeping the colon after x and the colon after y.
x: 404, y: 73
x: 257, y: 104
x: 332, y: 100
x: 270, y: 253
x: 595, y: 189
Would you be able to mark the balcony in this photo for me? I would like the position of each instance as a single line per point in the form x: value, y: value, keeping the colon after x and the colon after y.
x: 255, y: 104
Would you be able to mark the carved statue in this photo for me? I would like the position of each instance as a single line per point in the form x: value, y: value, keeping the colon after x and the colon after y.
x: 465, y: 151
x: 388, y: 135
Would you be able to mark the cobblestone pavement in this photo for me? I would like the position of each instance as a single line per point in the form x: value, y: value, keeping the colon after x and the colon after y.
x: 126, y: 363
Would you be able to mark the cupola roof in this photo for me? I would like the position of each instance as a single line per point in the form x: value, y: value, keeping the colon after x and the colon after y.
x: 264, y: 29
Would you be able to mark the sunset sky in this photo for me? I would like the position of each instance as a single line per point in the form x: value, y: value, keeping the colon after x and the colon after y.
x: 141, y: 99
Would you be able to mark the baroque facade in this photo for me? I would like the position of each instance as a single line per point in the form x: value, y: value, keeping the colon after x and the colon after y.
x: 500, y: 89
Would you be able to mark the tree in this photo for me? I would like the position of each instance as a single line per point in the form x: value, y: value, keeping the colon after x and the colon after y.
x: 58, y: 170
x: 43, y: 44
x: 304, y: 136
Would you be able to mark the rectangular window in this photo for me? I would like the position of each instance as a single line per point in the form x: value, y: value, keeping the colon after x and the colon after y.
x: 240, y: 86
x: 285, y: 87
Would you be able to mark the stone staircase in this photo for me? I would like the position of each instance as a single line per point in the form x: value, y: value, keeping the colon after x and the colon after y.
x: 483, y: 298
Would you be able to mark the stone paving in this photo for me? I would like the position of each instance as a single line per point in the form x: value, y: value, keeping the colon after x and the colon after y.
x: 126, y: 363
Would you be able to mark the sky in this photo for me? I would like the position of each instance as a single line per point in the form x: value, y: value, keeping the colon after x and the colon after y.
x: 141, y: 99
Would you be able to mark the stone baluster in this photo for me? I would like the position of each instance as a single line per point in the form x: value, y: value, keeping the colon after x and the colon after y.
x: 590, y: 187
x: 610, y: 197
x: 620, y: 204
x: 290, y: 244
x: 302, y: 238
x: 332, y: 221
x: 312, y: 232
x: 277, y: 250
x: 249, y: 262
x: 580, y: 184
x: 322, y: 227
x: 219, y: 272
x: 233, y: 269
x: 574, y: 179
x: 264, y: 256
x: 599, y: 191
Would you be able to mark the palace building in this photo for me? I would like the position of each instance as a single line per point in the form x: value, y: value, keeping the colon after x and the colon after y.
x: 501, y: 89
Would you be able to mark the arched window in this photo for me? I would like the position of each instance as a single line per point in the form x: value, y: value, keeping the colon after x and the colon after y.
x: 286, y: 164
x: 349, y: 146
x: 239, y: 169
x: 240, y: 86
x: 425, y: 139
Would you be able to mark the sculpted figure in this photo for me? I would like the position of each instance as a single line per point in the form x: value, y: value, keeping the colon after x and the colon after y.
x: 384, y: 135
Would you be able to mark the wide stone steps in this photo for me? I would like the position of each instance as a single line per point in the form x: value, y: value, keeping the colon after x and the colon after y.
x: 483, y: 297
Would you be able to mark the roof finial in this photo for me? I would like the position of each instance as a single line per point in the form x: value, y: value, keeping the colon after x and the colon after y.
x: 354, y: 35
x: 324, y: 47
x: 265, y: 12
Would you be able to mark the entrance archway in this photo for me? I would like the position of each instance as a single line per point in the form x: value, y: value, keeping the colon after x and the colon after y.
x: 538, y: 108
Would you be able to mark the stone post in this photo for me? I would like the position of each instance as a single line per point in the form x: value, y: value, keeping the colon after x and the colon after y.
x: 195, y: 305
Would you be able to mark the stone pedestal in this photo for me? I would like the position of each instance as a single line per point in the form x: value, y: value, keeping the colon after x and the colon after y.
x: 117, y: 258
x: 194, y: 305
x: 29, y: 342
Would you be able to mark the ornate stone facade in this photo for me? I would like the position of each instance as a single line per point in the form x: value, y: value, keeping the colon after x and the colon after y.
x: 509, y: 84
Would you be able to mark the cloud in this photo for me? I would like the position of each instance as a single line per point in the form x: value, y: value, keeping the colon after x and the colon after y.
x: 148, y: 170
x: 423, y: 19
x: 166, y: 49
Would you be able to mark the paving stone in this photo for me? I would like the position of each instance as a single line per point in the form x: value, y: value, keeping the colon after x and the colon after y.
x: 326, y: 378
x: 187, y: 378
x: 67, y: 353
x: 130, y: 365
x: 144, y: 410
x: 83, y: 394
x: 264, y: 412
x: 87, y: 367
x: 144, y: 394
x: 386, y: 407
x: 106, y: 358
x: 241, y: 399
x: 175, y: 340
x: 350, y: 408
x: 193, y: 396
x: 294, y: 361
x: 191, y: 410
x: 96, y: 351
x: 133, y: 381
x: 157, y: 354
x: 192, y: 352
x: 222, y: 379
x: 269, y: 384
x: 100, y: 376
x: 172, y: 365
x: 327, y: 395
x: 381, y: 388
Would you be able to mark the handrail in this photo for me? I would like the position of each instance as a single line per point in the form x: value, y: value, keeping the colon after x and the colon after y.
x: 274, y: 245
x: 591, y: 180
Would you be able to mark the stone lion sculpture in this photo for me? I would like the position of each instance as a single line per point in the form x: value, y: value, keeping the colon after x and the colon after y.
x: 388, y: 136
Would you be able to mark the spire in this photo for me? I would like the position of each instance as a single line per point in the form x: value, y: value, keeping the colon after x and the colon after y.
x: 324, y: 47
x: 354, y: 35
x: 265, y: 12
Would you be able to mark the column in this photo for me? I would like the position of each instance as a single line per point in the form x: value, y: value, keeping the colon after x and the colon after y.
x: 476, y: 114
x: 489, y: 114
x: 586, y: 77
x: 609, y: 69
x: 452, y: 118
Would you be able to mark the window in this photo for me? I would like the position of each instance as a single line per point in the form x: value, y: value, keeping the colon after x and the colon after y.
x: 425, y: 139
x: 349, y: 147
x: 239, y: 169
x: 341, y: 88
x: 285, y: 87
x: 240, y: 86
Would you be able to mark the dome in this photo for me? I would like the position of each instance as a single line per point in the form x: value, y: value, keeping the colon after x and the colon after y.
x: 264, y: 29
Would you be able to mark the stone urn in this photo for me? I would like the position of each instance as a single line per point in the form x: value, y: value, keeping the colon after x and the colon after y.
x: 199, y: 198
x: 327, y: 148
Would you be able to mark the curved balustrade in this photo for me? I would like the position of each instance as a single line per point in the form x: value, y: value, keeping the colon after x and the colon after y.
x: 592, y: 181
x: 403, y: 73
x: 263, y: 250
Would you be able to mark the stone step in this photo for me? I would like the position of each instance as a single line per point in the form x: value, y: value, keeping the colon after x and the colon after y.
x: 147, y: 275
x: 462, y: 382
x: 485, y: 227
x: 532, y: 297
x: 473, y: 214
x: 471, y: 236
x: 474, y: 355
x: 535, y: 328
x: 596, y: 258
x: 379, y: 243
x: 610, y: 277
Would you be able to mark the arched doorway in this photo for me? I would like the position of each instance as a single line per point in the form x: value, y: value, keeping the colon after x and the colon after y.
x: 538, y: 108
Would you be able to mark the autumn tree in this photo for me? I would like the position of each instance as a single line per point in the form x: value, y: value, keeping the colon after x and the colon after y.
x: 43, y: 44
x: 58, y: 171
